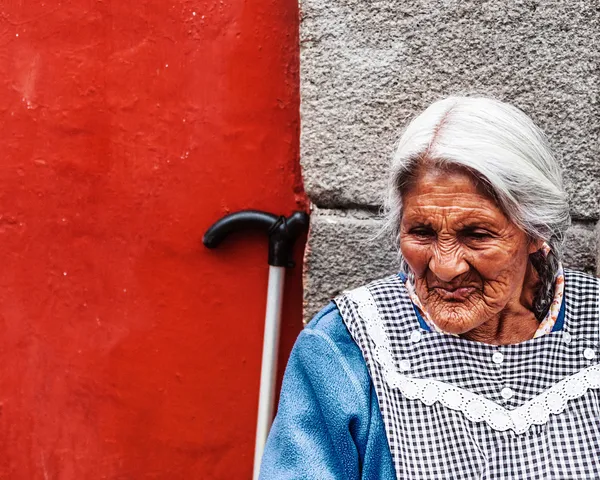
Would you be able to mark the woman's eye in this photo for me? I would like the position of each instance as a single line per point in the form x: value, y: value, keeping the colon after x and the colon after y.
x: 422, y: 232
x: 477, y: 234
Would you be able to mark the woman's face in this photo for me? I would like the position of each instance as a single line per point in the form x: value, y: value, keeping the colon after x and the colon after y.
x: 469, y: 259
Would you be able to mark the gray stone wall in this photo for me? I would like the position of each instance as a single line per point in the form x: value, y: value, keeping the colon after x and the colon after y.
x: 367, y: 67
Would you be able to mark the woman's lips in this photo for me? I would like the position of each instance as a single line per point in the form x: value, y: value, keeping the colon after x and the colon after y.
x: 454, y: 294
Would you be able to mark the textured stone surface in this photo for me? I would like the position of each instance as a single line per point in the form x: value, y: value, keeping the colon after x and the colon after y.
x: 366, y: 67
x: 598, y: 249
x: 343, y: 252
x: 581, y: 248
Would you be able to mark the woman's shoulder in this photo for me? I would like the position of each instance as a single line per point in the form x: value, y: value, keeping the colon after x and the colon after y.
x: 327, y: 320
x: 582, y: 304
x: 581, y: 283
x: 328, y: 325
x: 337, y: 317
x: 582, y: 276
x: 326, y: 340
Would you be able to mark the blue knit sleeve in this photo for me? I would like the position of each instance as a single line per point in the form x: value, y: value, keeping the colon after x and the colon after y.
x: 328, y: 424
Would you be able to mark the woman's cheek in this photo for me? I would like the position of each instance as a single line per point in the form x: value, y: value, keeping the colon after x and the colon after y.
x: 494, y: 262
x: 416, y: 255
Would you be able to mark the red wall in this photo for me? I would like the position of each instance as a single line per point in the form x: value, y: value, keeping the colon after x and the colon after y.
x: 129, y: 351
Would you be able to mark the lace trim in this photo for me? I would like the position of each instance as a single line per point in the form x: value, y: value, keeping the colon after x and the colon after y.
x: 475, y: 407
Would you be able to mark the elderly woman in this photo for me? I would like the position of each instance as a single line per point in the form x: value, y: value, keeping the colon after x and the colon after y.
x: 480, y: 358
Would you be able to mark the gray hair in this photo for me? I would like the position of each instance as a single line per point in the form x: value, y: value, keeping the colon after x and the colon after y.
x: 502, y: 147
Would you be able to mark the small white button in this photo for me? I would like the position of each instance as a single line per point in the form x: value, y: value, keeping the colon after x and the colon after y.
x: 567, y: 337
x: 405, y: 365
x: 507, y: 393
x: 589, y: 353
x: 497, y: 357
x: 415, y: 336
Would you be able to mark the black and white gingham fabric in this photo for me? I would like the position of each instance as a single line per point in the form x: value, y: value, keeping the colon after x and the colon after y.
x: 459, y: 409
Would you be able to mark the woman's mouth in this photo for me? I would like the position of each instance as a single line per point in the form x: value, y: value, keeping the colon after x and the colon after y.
x: 457, y: 294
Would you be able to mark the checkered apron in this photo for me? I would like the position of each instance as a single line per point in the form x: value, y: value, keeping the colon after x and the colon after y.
x: 460, y: 409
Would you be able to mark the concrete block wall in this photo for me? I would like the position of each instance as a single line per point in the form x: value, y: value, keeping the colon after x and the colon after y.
x: 368, y: 67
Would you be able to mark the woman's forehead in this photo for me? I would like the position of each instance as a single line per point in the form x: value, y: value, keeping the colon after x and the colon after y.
x: 445, y: 184
x: 451, y: 193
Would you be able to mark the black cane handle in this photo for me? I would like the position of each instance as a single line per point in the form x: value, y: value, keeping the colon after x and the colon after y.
x: 282, y: 232
x: 236, y: 222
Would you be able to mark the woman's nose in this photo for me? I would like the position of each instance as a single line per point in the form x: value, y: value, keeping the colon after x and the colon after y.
x: 448, y: 265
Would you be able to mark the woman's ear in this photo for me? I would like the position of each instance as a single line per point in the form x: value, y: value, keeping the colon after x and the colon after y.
x: 535, y: 245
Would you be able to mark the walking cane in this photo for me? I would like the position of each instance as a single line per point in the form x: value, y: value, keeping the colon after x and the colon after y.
x: 282, y: 233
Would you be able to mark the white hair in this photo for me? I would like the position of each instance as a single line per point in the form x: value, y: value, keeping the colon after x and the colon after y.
x: 502, y: 147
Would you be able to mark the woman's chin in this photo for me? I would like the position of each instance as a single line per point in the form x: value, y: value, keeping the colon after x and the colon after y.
x: 456, y: 320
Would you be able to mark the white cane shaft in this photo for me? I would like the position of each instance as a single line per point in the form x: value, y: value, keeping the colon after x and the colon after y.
x: 268, y: 372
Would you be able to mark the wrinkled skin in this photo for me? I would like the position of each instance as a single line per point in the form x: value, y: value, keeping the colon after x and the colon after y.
x: 471, y: 263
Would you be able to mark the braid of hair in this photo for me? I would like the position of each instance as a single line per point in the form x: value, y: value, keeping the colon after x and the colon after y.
x: 546, y: 266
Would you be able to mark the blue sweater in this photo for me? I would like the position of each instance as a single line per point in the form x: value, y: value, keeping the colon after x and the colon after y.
x: 328, y: 425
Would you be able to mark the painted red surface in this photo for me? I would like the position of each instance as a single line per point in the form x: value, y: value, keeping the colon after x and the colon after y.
x: 127, y: 350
